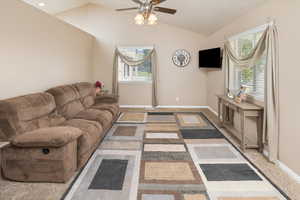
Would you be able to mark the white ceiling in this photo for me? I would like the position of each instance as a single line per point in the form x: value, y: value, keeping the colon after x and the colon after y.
x: 202, y: 16
x: 57, y: 6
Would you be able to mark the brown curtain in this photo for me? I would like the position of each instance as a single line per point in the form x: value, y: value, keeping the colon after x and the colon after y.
x: 132, y: 62
x: 268, y: 43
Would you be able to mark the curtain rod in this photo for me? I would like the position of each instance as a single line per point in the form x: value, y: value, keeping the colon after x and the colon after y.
x: 133, y: 46
x: 269, y: 21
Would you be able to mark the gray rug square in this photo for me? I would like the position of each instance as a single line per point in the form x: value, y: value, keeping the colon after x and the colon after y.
x: 157, y: 197
x: 125, y: 131
x: 229, y: 172
x: 110, y: 175
x: 166, y: 156
x: 214, y: 152
x: 161, y: 119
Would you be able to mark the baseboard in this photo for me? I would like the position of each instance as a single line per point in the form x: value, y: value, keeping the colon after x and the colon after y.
x: 285, y: 168
x: 188, y: 107
x: 289, y: 171
x: 167, y: 106
x: 212, y: 110
x: 170, y: 106
x: 135, y: 106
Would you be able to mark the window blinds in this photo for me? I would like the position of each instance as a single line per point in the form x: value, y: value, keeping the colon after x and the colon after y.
x: 253, y: 77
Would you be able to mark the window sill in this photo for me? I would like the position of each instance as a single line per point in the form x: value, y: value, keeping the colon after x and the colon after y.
x: 255, y: 101
x: 135, y: 82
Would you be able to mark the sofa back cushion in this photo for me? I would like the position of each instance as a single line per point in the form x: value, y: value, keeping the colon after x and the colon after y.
x: 27, y: 113
x: 87, y: 93
x: 68, y: 100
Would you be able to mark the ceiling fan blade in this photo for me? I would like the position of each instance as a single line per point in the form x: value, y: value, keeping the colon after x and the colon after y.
x: 156, y: 2
x: 137, y: 1
x: 125, y: 9
x: 165, y: 10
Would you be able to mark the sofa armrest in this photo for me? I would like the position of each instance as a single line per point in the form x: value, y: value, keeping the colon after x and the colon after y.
x: 47, y: 137
x: 106, y: 98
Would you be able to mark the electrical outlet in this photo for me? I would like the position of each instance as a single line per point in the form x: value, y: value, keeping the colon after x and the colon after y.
x: 177, y: 99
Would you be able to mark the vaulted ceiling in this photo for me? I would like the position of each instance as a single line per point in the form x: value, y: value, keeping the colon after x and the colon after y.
x: 202, y: 16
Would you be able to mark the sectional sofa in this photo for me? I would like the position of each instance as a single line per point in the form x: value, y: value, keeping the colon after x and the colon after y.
x: 54, y: 133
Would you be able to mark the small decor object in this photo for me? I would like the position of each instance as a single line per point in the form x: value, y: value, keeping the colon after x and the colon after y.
x: 98, y: 86
x: 241, y: 95
x: 181, y: 58
x: 230, y: 95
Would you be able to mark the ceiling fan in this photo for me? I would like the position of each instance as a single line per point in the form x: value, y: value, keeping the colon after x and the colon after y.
x: 146, y: 8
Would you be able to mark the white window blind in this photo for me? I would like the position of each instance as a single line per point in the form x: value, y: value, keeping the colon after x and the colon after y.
x: 252, y: 77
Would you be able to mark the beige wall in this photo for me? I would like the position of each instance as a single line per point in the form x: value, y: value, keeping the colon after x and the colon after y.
x: 38, y: 51
x: 112, y: 29
x: 287, y: 17
x: 136, y: 93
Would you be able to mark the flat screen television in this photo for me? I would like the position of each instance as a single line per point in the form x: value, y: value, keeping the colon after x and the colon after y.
x: 210, y: 58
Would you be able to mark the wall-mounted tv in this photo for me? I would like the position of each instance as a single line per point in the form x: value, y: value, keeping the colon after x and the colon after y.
x: 210, y: 58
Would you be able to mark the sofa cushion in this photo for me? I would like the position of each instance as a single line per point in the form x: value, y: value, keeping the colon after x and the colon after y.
x: 71, y: 109
x: 87, y: 93
x: 47, y: 137
x: 64, y: 94
x: 111, y: 107
x: 85, y: 89
x: 107, y: 98
x: 105, y: 118
x: 50, y: 120
x: 67, y: 99
x: 87, y: 101
x: 92, y: 133
x: 27, y: 113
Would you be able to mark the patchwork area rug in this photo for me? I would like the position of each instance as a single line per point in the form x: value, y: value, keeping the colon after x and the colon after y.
x: 132, y: 117
x: 193, y: 121
x: 156, y: 117
x: 181, y: 157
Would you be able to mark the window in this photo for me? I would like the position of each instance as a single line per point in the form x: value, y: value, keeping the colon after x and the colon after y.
x: 141, y: 72
x: 253, y: 77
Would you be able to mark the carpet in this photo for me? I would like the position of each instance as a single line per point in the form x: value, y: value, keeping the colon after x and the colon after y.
x: 169, y: 161
x: 158, y: 117
x: 193, y: 121
x: 132, y: 117
x: 125, y: 131
x: 156, y: 127
x: 201, y: 134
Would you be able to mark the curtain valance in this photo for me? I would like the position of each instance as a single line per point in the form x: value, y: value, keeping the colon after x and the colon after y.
x: 131, y: 61
x: 250, y: 59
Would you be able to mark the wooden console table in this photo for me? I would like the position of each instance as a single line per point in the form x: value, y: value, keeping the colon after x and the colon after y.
x: 225, y: 105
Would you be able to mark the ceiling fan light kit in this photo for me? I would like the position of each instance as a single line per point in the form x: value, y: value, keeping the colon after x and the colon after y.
x: 146, y: 14
x: 152, y: 19
x: 139, y: 19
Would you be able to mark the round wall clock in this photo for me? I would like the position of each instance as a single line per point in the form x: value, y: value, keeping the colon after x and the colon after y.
x: 181, y: 58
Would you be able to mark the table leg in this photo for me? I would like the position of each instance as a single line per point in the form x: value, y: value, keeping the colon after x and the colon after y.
x: 260, y: 132
x: 231, y: 117
x: 223, y: 115
x: 219, y: 110
x: 243, y: 144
